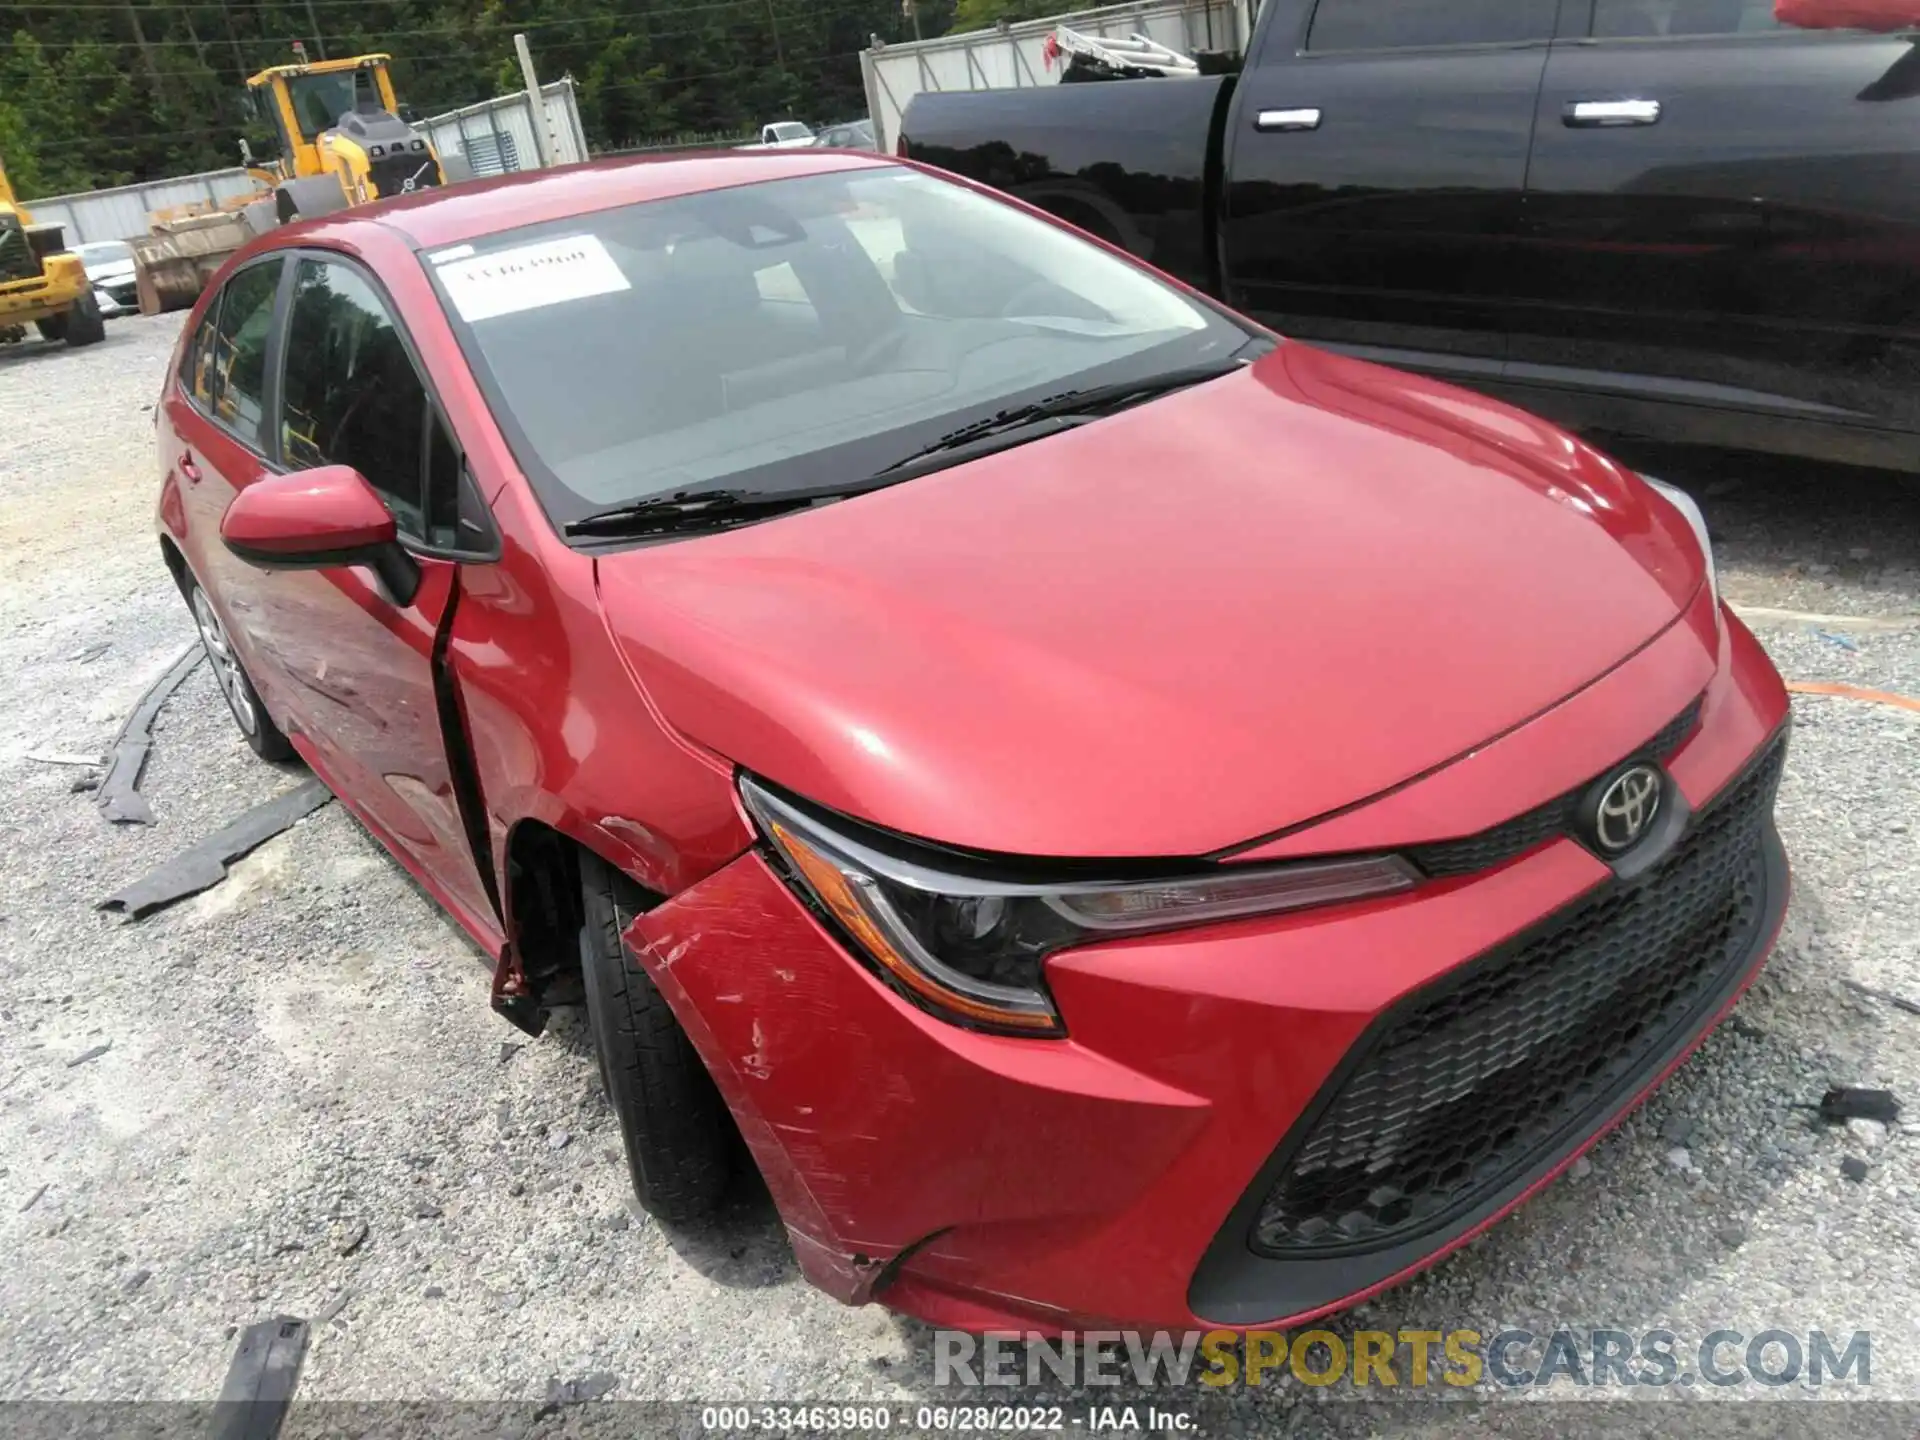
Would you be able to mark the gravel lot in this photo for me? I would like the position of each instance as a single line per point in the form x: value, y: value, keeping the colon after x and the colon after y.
x: 307, y: 1107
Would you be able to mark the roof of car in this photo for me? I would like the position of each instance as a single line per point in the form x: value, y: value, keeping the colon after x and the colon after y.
x: 482, y: 207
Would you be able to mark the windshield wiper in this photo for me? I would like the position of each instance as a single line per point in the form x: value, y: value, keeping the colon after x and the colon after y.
x: 699, y: 510
x: 1069, y: 405
x: 696, y: 509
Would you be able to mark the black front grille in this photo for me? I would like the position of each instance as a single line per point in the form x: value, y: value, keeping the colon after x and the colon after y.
x: 1482, y: 1075
x: 17, y: 260
x: 403, y: 173
x: 1513, y: 838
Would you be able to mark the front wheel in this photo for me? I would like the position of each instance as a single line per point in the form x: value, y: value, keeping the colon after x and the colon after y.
x: 265, y: 737
x: 676, y: 1127
x: 84, y: 323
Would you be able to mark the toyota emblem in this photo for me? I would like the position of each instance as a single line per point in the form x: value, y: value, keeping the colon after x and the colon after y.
x: 1625, y: 809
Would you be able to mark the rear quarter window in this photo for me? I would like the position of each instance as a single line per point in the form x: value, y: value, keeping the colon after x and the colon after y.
x: 1659, y: 19
x: 1426, y: 24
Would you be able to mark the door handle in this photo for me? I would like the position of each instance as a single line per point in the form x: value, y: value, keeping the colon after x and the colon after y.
x: 188, y: 468
x: 1605, y: 114
x: 1304, y: 118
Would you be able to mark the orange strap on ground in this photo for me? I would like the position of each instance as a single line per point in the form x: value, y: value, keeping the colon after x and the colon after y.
x: 1853, y: 692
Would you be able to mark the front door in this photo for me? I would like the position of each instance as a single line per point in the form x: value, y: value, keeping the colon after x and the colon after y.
x: 360, y: 659
x: 1376, y: 159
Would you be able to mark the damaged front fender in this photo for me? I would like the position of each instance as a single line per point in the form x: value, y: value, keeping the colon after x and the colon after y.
x: 875, y: 1125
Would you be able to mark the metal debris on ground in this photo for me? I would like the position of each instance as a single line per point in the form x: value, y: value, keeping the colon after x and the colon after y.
x: 62, y: 757
x: 260, y: 1380
x: 33, y: 1199
x: 93, y: 1054
x: 1848, y: 1102
x: 119, y: 796
x: 1832, y: 639
x: 1899, y: 1002
x: 205, y: 865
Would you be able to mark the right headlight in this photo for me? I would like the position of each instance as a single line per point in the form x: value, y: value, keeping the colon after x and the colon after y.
x: 1686, y: 505
x: 968, y: 945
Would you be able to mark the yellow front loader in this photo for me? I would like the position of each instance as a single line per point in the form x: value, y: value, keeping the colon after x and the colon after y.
x: 40, y: 284
x: 341, y: 139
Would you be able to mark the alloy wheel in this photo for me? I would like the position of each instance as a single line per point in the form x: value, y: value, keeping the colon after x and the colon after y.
x: 226, y: 665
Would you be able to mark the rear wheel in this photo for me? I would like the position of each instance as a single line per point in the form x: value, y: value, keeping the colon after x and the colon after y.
x: 677, y: 1130
x: 265, y: 737
x: 84, y: 323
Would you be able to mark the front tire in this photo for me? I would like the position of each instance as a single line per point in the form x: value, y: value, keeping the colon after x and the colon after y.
x: 53, y: 328
x: 263, y: 736
x: 84, y: 323
x: 676, y: 1127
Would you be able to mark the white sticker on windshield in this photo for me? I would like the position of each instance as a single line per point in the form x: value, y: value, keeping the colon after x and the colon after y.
x: 530, y: 277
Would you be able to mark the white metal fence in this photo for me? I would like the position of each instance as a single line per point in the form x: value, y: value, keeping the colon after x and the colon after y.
x: 495, y: 136
x: 1003, y: 59
x: 121, y: 213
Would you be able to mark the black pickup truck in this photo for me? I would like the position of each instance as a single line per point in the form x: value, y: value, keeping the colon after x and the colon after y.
x: 1669, y: 219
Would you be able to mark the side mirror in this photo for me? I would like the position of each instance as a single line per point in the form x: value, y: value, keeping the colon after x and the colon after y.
x: 315, y: 520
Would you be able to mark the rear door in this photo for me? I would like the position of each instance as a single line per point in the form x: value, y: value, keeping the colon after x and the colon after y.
x: 1375, y: 160
x: 216, y: 442
x: 1723, y: 218
x: 361, y: 660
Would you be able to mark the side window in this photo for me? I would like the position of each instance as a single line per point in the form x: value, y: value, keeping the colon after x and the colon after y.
x: 1637, y: 19
x: 352, y: 395
x: 196, y: 365
x: 234, y: 385
x: 443, y: 491
x: 1422, y: 24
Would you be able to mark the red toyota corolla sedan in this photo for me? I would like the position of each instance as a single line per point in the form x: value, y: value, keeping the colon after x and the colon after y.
x: 1133, y: 821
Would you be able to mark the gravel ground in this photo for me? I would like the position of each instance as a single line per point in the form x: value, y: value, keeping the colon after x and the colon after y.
x: 307, y: 1107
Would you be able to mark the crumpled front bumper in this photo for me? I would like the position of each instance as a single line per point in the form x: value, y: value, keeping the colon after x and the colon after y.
x: 986, y: 1181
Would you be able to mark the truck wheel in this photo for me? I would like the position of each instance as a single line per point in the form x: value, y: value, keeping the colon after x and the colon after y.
x: 84, y: 323
x: 306, y: 196
x: 677, y: 1130
x: 54, y: 327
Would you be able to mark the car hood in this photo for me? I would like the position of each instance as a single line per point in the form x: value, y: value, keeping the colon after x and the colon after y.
x: 1198, y: 621
x: 112, y: 270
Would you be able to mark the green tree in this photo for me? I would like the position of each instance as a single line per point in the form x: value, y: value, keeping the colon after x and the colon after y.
x: 983, y: 14
x: 98, y: 94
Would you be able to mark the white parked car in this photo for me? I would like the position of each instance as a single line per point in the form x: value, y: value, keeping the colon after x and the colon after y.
x: 109, y: 265
x: 854, y: 135
x: 783, y: 135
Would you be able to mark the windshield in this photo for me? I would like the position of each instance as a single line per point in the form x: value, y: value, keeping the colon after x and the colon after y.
x: 792, y: 333
x: 788, y: 130
x: 320, y: 100
x: 104, y: 252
